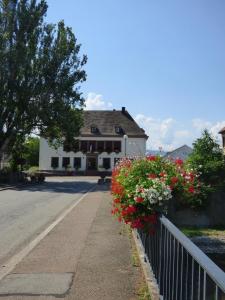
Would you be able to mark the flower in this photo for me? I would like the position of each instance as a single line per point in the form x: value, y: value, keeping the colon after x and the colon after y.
x: 179, y: 162
x: 141, y: 189
x: 191, y: 189
x: 152, y: 176
x: 139, y: 199
x: 151, y: 157
x: 174, y: 180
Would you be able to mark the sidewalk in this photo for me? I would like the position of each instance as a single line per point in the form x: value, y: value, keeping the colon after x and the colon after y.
x: 85, y: 257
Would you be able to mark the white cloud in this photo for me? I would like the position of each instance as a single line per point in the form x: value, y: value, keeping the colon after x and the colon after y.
x: 213, y: 128
x: 160, y: 132
x: 96, y: 102
x: 169, y: 134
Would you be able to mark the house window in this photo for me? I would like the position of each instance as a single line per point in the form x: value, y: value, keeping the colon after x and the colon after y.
x: 107, y: 163
x: 108, y: 146
x: 54, y: 162
x: 92, y: 146
x: 116, y: 160
x: 118, y: 130
x: 94, y: 129
x: 117, y: 146
x: 77, y: 162
x: 83, y: 146
x: 100, y: 146
x: 65, y: 162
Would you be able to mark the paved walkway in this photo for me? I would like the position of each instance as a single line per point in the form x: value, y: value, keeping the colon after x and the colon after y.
x: 85, y: 257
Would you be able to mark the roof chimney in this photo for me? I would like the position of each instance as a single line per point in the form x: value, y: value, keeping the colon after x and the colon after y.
x: 123, y: 109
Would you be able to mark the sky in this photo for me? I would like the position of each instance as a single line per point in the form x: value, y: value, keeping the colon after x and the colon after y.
x: 164, y: 60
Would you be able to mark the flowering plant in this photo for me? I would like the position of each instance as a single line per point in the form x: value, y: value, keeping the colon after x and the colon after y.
x: 142, y: 187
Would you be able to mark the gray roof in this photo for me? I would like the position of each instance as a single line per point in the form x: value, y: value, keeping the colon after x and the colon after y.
x: 107, y: 120
x: 182, y: 152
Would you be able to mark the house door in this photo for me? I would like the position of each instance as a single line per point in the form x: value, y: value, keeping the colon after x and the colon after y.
x: 91, y: 163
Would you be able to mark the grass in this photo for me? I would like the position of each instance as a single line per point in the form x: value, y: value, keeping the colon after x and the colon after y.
x: 143, y: 293
x: 194, y: 231
x: 141, y: 289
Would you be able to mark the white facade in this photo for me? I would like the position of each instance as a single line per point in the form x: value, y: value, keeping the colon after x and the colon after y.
x: 129, y: 147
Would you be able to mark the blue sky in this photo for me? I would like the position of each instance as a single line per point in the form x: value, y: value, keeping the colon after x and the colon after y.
x: 163, y: 60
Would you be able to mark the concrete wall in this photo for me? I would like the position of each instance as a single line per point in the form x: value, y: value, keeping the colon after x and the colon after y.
x: 134, y: 147
x: 212, y: 215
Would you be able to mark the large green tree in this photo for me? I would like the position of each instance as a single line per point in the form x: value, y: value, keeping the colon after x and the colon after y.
x: 208, y: 158
x: 40, y: 75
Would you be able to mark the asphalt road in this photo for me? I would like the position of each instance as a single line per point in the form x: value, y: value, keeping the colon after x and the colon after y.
x: 27, y: 211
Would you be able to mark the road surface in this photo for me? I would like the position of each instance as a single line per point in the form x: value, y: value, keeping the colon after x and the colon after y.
x: 27, y: 211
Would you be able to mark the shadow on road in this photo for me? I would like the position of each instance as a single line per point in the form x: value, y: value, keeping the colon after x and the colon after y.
x: 66, y: 187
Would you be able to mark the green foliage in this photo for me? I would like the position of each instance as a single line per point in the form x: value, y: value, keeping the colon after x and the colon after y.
x: 40, y: 73
x: 31, y: 153
x: 194, y: 231
x: 25, y: 153
x: 207, y: 157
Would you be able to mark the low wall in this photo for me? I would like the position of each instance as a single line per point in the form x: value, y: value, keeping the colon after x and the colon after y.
x: 212, y: 215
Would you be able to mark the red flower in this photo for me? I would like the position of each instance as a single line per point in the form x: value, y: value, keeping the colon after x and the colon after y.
x: 137, y: 224
x: 139, y: 199
x: 179, y: 162
x: 128, y: 210
x: 117, y: 200
x: 151, y: 157
x: 151, y: 219
x: 131, y: 209
x: 162, y: 174
x: 174, y: 180
x: 152, y: 176
x: 191, y: 189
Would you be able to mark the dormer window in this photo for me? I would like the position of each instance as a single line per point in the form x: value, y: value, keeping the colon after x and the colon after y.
x: 118, y: 130
x: 94, y: 129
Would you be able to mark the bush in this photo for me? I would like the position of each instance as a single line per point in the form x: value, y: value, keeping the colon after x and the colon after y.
x: 141, y: 189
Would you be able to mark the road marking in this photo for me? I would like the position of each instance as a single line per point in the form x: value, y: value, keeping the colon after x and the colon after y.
x: 14, y: 260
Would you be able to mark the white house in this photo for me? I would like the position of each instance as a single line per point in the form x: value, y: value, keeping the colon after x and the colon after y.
x: 105, y: 137
x: 222, y: 132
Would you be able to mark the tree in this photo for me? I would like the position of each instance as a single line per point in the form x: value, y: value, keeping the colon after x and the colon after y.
x: 40, y: 73
x: 25, y: 154
x: 207, y: 157
x: 31, y: 153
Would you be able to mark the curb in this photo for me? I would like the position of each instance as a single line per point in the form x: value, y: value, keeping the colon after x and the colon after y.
x: 148, y: 274
x: 8, y: 188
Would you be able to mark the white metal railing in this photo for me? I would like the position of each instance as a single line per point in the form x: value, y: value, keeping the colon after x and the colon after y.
x: 181, y: 269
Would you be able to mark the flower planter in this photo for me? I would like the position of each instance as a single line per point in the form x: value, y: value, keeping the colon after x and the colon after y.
x: 141, y: 189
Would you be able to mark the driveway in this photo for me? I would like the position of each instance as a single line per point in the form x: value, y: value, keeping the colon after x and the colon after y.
x: 27, y: 211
